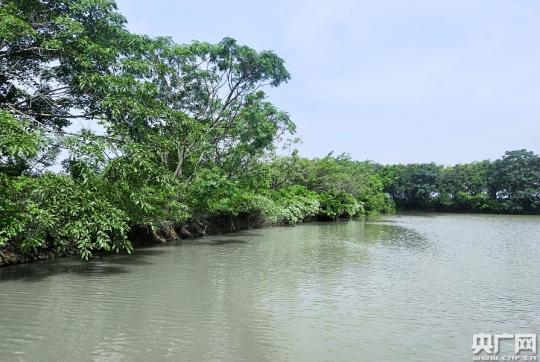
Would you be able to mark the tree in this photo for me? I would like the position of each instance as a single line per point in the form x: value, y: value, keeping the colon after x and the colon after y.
x: 464, y: 187
x: 514, y: 180
x: 62, y: 60
x: 51, y: 54
x: 216, y: 112
x: 414, y: 186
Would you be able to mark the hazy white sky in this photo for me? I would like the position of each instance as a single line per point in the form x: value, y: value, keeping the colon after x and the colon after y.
x: 391, y: 81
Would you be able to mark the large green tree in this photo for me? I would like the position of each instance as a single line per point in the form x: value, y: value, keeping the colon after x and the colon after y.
x: 51, y: 54
x: 62, y: 60
x: 514, y: 180
x: 216, y: 113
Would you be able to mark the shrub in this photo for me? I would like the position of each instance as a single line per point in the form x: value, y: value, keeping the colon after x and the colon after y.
x: 296, y: 204
x: 336, y: 204
x: 54, y: 211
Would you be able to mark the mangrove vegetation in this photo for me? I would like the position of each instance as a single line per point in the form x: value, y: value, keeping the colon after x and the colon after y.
x: 181, y: 133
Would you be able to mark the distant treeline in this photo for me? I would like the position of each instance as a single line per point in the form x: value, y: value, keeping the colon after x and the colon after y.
x: 510, y: 184
x: 186, y: 134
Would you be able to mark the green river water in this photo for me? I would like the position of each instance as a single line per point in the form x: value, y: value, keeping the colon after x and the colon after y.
x: 406, y: 287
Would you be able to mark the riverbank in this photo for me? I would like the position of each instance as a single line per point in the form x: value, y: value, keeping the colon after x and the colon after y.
x: 141, y: 236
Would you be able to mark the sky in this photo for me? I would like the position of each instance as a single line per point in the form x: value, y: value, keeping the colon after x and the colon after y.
x: 393, y: 81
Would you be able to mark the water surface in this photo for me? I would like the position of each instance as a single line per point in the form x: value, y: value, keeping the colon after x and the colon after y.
x: 408, y: 287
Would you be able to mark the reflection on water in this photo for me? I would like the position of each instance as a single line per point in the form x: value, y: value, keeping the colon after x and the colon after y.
x: 392, y: 288
x: 393, y: 236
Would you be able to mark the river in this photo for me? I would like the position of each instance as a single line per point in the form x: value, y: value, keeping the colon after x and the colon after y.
x: 405, y: 287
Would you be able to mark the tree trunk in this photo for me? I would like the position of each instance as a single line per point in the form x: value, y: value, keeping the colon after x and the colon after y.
x: 181, y: 155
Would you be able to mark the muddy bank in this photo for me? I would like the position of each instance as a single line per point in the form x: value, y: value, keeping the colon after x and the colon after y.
x: 144, y: 236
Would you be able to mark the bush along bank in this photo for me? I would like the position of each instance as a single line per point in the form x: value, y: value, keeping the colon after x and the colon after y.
x: 55, y: 215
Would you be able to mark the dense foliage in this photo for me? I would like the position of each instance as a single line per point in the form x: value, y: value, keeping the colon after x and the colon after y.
x: 181, y: 132
x: 510, y: 184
